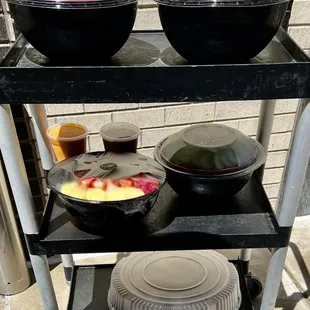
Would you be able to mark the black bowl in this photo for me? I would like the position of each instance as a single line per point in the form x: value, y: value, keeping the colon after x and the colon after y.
x: 190, y: 182
x: 221, y: 34
x: 188, y: 185
x: 108, y: 217
x: 70, y: 35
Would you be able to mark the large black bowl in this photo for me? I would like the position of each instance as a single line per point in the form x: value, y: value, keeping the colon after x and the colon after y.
x: 64, y: 35
x: 221, y: 34
x: 108, y: 217
x: 187, y: 183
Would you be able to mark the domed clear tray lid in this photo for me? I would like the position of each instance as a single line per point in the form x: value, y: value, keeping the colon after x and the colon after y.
x: 220, y: 3
x: 210, y: 149
x: 179, y: 280
x: 72, y: 4
x: 104, y: 165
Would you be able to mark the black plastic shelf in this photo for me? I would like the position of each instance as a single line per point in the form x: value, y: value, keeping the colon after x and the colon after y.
x: 175, y: 223
x: 90, y: 286
x: 148, y: 69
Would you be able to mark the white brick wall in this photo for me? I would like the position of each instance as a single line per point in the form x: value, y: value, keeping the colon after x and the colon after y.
x: 276, y: 159
x: 187, y: 114
x: 300, y: 13
x: 143, y: 118
x: 148, y: 18
x: 300, y: 23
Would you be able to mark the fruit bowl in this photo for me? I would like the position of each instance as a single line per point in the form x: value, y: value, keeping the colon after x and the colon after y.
x: 106, y: 192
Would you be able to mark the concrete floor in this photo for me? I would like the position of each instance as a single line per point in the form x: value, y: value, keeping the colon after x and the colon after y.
x: 294, y: 293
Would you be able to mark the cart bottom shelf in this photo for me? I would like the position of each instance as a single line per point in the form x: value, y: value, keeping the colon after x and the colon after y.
x: 90, y: 285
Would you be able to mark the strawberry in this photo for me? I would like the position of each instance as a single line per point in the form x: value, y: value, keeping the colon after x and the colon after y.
x: 87, y: 182
x: 125, y: 182
x: 147, y: 185
x: 111, y: 185
x: 99, y: 183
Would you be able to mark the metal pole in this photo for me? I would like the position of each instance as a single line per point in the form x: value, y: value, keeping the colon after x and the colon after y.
x: 302, y: 103
x: 67, y: 263
x: 296, y: 170
x: 40, y: 125
x: 14, y: 274
x: 16, y: 171
x: 264, y: 129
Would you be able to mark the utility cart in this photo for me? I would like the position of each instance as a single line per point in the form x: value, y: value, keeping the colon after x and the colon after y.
x: 157, y: 74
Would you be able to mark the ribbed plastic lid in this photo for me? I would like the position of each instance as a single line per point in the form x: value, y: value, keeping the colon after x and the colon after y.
x: 220, y: 3
x: 72, y: 4
x: 210, y: 150
x: 104, y: 165
x: 181, y: 280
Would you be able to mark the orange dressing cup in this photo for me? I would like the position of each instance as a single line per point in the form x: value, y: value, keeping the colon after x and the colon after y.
x: 67, y: 140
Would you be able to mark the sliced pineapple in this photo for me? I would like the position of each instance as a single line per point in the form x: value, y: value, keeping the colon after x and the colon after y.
x: 123, y: 193
x: 74, y: 190
x: 96, y: 194
x: 132, y: 192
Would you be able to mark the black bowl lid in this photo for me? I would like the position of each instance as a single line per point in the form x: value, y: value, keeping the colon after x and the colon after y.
x: 105, y: 165
x: 72, y: 4
x: 219, y: 3
x: 209, y: 149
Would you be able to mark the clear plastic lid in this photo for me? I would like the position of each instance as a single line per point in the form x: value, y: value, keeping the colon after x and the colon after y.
x: 104, y: 165
x: 210, y: 150
x: 182, y: 280
x: 220, y: 3
x: 66, y: 132
x: 119, y: 132
x: 72, y: 4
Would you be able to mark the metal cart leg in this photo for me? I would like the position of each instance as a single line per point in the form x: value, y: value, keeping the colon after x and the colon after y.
x: 16, y: 171
x: 264, y: 128
x: 40, y: 125
x: 296, y: 170
x: 67, y: 263
x: 302, y: 104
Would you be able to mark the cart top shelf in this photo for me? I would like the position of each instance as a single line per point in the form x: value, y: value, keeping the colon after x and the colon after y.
x: 147, y: 69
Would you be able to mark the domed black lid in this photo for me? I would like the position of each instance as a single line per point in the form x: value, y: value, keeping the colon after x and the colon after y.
x: 209, y: 149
